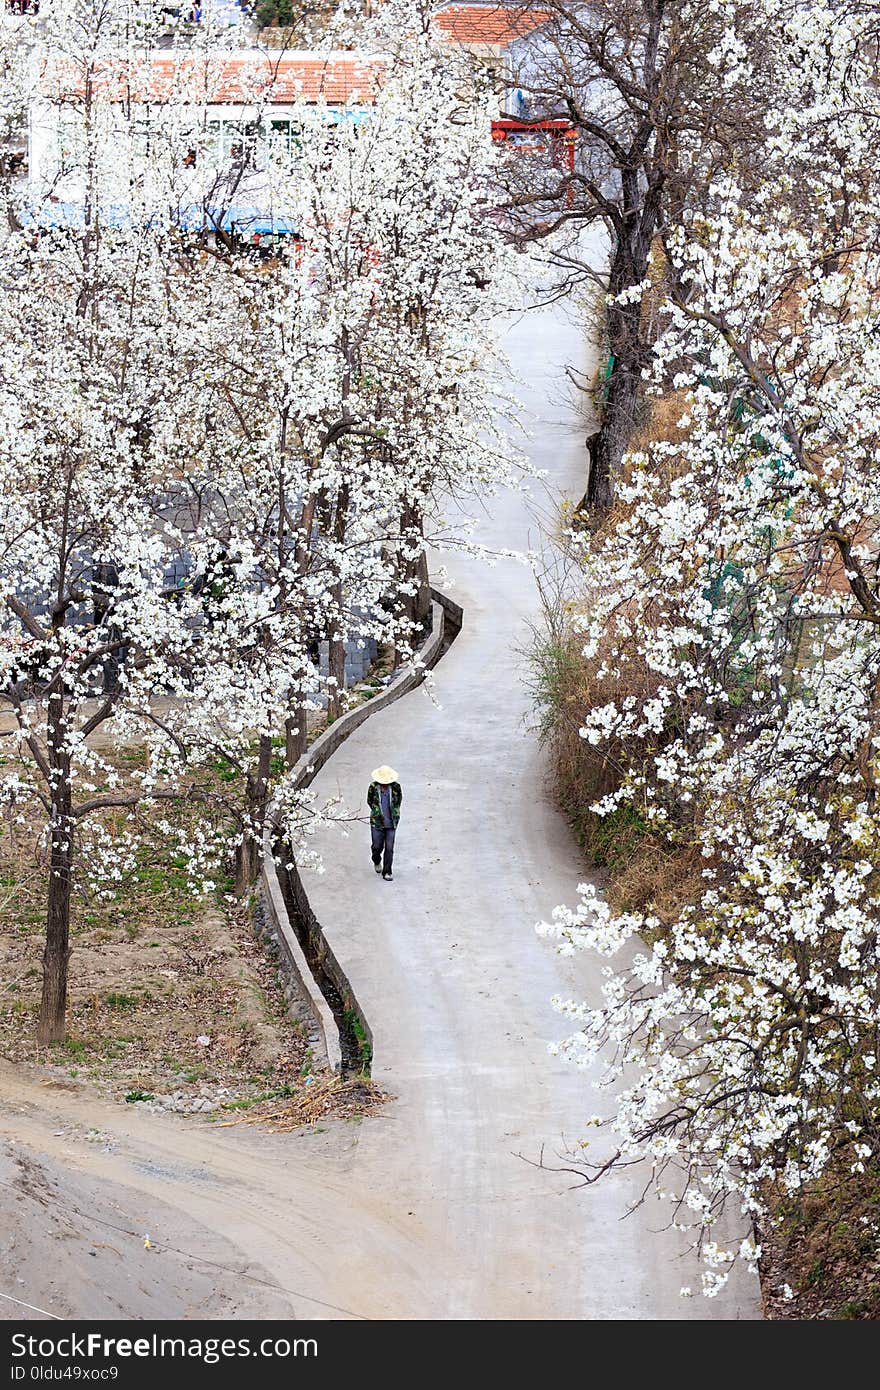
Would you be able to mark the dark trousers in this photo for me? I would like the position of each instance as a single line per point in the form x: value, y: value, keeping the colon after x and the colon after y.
x: 382, y: 840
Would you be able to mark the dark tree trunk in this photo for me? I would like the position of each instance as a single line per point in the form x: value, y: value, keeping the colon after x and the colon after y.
x: 423, y: 593
x: 336, y: 659
x: 336, y: 645
x: 106, y: 583
x: 417, y: 605
x: 608, y: 445
x: 295, y: 736
x: 628, y: 350
x: 247, y: 865
x: 249, y: 853
x: 52, y: 1024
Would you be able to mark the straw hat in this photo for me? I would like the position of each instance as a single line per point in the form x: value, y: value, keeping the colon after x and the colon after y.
x: 384, y: 774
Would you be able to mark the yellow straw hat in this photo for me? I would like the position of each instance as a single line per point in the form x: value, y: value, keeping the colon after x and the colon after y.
x: 384, y: 774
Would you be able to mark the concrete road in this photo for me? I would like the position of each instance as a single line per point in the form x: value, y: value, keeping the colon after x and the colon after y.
x: 453, y: 979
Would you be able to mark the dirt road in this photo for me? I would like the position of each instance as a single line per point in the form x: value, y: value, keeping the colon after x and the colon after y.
x: 241, y: 1224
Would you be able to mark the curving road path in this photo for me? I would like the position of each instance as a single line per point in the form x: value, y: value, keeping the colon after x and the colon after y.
x: 435, y: 1208
x: 453, y: 979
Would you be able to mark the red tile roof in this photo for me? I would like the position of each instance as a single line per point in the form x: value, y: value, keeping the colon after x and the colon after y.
x: 254, y: 78
x: 489, y: 25
x: 246, y: 78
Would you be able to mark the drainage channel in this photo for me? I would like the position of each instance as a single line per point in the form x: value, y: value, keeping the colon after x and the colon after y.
x: 355, y: 1042
x: 355, y: 1038
x: 453, y: 616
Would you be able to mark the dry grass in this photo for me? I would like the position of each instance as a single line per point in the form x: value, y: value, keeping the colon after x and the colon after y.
x: 644, y: 870
x: 153, y: 970
x: 328, y: 1097
x: 659, y: 878
x: 661, y: 423
x: 824, y: 1246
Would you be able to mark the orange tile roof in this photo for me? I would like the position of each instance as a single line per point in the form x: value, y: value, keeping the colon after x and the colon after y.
x: 489, y: 25
x: 245, y: 78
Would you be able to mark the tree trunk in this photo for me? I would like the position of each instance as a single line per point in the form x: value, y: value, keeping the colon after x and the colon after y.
x: 422, y: 611
x: 337, y: 672
x: 622, y: 391
x: 106, y: 581
x: 52, y: 1023
x: 249, y: 853
x: 414, y: 572
x: 295, y: 736
x: 626, y: 342
x: 608, y: 445
x: 247, y: 865
x: 336, y: 645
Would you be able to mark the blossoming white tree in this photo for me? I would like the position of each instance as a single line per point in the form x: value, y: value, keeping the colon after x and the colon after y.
x: 738, y: 594
x: 372, y: 322
x: 277, y: 434
x: 92, y: 404
x: 659, y: 97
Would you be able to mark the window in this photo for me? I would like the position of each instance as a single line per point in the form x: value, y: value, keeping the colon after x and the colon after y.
x: 284, y: 141
x: 256, y: 143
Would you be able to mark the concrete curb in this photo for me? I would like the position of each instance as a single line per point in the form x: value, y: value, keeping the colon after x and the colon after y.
x: 293, y: 959
x: 284, y: 890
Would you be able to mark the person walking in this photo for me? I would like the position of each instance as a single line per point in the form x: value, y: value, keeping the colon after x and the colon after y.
x: 384, y: 797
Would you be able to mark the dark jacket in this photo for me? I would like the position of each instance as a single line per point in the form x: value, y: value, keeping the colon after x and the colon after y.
x: 375, y: 804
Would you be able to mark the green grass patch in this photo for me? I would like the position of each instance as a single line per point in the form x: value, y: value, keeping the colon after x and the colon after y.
x: 614, y: 837
x: 352, y: 1022
x: 225, y: 770
x: 281, y: 1093
x: 851, y: 1310
x: 120, y: 1003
